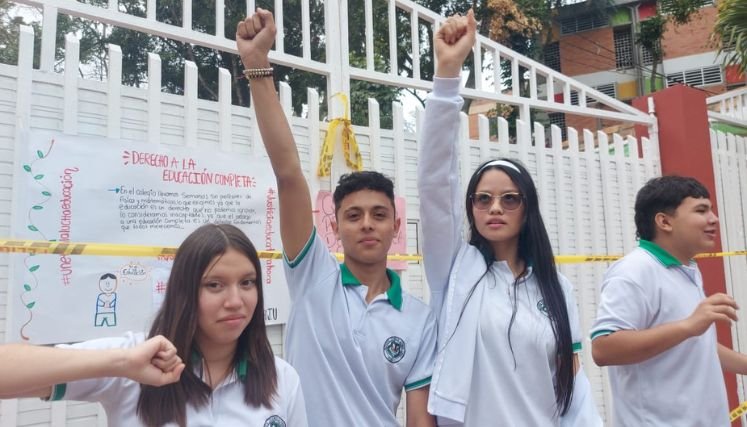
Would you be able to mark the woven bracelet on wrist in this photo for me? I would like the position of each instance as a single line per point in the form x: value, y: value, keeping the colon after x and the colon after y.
x: 256, y: 73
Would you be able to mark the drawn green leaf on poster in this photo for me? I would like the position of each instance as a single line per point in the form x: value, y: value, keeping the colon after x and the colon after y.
x: 33, y: 228
x: 37, y: 208
x: 46, y: 193
x: 34, y: 268
x: 30, y: 305
x: 27, y: 168
x: 38, y: 177
x: 40, y: 154
x: 27, y: 287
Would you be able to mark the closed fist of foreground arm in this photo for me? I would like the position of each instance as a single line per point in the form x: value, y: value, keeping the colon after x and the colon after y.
x: 154, y: 362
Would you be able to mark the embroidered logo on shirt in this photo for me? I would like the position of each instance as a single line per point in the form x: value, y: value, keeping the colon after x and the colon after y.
x: 394, y: 349
x: 542, y: 307
x: 274, y: 421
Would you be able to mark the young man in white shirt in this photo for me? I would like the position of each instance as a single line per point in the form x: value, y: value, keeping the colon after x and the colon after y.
x: 655, y: 326
x: 355, y: 338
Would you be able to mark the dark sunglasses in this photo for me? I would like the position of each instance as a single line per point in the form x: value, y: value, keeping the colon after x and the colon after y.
x: 508, y: 201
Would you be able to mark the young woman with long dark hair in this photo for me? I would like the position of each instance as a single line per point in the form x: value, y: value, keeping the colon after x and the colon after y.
x: 508, y: 322
x: 212, y: 318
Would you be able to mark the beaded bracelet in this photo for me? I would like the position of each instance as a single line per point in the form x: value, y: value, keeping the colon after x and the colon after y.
x: 255, y: 73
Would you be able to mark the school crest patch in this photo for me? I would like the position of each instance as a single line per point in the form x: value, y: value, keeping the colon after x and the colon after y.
x: 394, y: 349
x: 274, y: 421
x: 542, y: 307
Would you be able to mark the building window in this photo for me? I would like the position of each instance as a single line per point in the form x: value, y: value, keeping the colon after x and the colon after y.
x: 697, y: 77
x: 577, y: 24
x: 647, y: 58
x: 623, y: 48
x: 609, y: 89
x: 552, y: 56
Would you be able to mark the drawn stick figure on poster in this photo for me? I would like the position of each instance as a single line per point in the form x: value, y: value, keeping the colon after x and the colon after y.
x: 106, y: 302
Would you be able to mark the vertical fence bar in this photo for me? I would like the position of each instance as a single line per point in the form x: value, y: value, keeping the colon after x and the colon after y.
x: 49, y: 38
x: 187, y: 14
x: 557, y: 154
x: 483, y: 131
x: 190, y: 103
x: 374, y: 123
x: 540, y: 158
x: 114, y: 83
x: 622, y: 182
x: 369, y: 35
x: 154, y: 98
x: 392, y: 18
x: 312, y: 97
x: 279, y: 24
x: 464, y: 148
x: 503, y: 139
x: 306, y: 29
x: 477, y: 55
x: 415, y: 36
x: 220, y: 18
x: 225, y: 117
x: 72, y: 62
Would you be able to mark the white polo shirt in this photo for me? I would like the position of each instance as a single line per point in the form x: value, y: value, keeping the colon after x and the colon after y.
x: 354, y: 358
x: 515, y: 379
x: 683, y: 386
x: 226, y: 407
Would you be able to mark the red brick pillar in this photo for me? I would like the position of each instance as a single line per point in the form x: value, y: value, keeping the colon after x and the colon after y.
x: 685, y: 148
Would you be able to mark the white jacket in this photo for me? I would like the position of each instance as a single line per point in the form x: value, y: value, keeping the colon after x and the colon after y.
x: 447, y: 257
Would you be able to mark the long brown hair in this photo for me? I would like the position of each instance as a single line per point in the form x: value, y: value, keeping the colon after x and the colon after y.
x: 177, y: 321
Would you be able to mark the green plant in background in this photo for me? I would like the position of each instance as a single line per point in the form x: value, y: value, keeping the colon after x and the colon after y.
x: 731, y: 29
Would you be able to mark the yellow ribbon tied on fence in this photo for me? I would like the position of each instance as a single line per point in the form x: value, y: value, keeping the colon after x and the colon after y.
x: 349, y: 145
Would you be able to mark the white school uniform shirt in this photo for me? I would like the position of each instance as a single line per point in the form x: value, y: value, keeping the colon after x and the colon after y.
x: 683, y: 386
x: 226, y: 406
x: 354, y: 358
x: 477, y: 380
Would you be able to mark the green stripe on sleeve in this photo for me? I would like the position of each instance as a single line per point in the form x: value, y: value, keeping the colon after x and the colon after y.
x: 58, y: 392
x: 418, y: 384
x: 576, y: 347
x: 304, y: 251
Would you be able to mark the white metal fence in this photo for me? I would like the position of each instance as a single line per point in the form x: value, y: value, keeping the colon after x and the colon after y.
x: 587, y: 183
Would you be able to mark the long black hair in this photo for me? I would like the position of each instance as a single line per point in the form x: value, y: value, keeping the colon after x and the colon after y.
x: 177, y: 321
x: 535, y: 250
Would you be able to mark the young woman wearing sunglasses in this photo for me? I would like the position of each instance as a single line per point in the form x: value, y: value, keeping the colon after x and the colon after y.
x: 508, y: 322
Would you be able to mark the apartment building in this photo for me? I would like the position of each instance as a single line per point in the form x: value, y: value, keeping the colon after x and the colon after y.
x: 597, y: 47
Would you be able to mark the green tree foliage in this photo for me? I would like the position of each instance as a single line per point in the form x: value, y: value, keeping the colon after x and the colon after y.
x: 651, y: 31
x: 649, y: 37
x: 731, y: 29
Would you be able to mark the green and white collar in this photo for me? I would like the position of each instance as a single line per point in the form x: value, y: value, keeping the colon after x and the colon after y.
x: 394, y: 293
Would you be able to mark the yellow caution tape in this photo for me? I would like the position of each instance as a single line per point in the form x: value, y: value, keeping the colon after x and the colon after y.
x: 349, y: 145
x: 112, y: 249
x: 737, y: 412
x: 116, y: 249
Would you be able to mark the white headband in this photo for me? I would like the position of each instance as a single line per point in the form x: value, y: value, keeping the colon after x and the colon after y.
x: 499, y: 163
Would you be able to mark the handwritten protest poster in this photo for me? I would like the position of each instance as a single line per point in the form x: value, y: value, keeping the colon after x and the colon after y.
x: 324, y: 217
x: 84, y: 189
